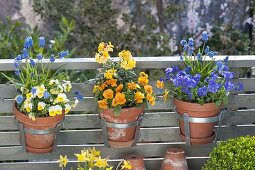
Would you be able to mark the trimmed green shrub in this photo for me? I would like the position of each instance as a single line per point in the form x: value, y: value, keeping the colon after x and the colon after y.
x: 233, y: 154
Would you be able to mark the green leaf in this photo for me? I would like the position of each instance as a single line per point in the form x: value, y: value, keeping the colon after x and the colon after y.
x: 225, y: 100
x: 218, y: 102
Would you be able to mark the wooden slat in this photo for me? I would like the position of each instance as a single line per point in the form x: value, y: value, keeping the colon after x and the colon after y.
x: 155, y: 119
x: 235, y: 101
x: 142, y: 62
x: 9, y: 91
x: 195, y: 163
x: 94, y: 136
x: 149, y: 150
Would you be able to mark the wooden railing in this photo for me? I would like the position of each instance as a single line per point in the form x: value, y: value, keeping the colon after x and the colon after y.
x: 159, y: 128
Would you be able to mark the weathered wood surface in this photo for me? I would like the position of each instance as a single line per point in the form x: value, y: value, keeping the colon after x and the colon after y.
x: 142, y: 62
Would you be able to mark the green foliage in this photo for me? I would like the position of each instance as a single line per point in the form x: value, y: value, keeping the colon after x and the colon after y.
x: 236, y: 154
x: 96, y: 21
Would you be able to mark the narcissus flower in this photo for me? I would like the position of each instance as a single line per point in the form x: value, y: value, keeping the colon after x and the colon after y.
x: 62, y: 161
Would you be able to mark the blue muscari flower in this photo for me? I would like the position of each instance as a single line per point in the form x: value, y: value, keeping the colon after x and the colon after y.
x: 52, y: 58
x: 25, y: 53
x: 202, y: 91
x: 190, y: 51
x: 211, y: 54
x: 28, y: 42
x: 225, y: 59
x: 41, y: 42
x: 181, y: 58
x: 18, y: 58
x: 33, y: 90
x: 32, y: 62
x: 183, y: 43
x: 204, y: 36
x: 78, y: 95
x: 17, y: 72
x: 19, y: 99
x: 229, y: 86
x: 46, y: 95
x: 62, y: 54
x: 191, y: 42
x: 197, y: 77
x: 219, y: 65
x: 199, y: 57
x: 187, y: 69
x: 16, y: 64
x: 207, y: 49
x: 39, y: 56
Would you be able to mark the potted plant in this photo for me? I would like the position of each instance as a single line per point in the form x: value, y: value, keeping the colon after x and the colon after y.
x: 236, y: 153
x: 121, y: 95
x: 90, y: 159
x: 41, y: 102
x: 200, y: 88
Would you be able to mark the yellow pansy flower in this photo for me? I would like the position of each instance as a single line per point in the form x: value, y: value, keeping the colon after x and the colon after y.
x: 119, y: 99
x: 160, y: 84
x: 139, y: 97
x: 29, y: 96
x: 102, y: 103
x: 101, y: 47
x: 148, y: 89
x: 108, y: 94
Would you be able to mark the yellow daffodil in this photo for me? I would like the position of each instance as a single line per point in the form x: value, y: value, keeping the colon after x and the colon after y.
x: 62, y: 161
x: 126, y: 165
x: 165, y: 95
x: 101, y: 163
x: 81, y: 157
x: 41, y: 106
x: 109, y: 168
x: 139, y: 97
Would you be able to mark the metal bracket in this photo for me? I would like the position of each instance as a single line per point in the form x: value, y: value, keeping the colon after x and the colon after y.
x: 24, y: 130
x: 187, y: 119
x: 106, y: 125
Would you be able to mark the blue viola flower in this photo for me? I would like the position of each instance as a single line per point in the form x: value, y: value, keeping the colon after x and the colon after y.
x: 32, y: 62
x: 197, y: 77
x: 28, y: 42
x: 25, y: 54
x: 33, y: 90
x: 204, y: 36
x: 78, y: 95
x: 17, y: 72
x: 191, y: 42
x: 62, y: 54
x: 183, y: 43
x: 52, y: 58
x: 46, y: 95
x: 39, y: 56
x: 229, y: 86
x: 18, y: 58
x: 213, y: 87
x: 19, y: 99
x: 41, y: 42
x: 202, y: 91
x: 228, y: 75
x: 191, y: 83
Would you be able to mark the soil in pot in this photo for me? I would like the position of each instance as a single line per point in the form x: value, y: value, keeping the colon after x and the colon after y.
x: 120, y: 138
x: 38, y: 143
x: 174, y: 159
x: 136, y: 161
x: 200, y: 133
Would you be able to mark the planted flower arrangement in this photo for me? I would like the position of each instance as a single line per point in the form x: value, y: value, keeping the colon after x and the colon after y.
x: 121, y: 95
x: 90, y: 159
x: 200, y: 88
x: 42, y: 102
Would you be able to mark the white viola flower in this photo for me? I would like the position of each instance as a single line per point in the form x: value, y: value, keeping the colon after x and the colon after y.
x: 67, y: 108
x: 61, y: 98
x: 41, y: 106
x: 58, y: 109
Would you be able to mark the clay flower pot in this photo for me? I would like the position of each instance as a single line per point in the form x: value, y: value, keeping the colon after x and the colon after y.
x: 136, y: 161
x: 174, y: 159
x: 200, y: 133
x: 38, y: 143
x: 121, y: 138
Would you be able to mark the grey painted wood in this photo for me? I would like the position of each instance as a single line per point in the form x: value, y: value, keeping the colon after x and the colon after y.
x: 9, y: 91
x: 148, y: 150
x: 142, y: 62
x: 235, y: 101
x: 151, y: 164
x: 154, y: 119
x: 148, y: 135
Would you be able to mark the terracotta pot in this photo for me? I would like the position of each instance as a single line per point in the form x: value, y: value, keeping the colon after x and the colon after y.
x: 136, y: 161
x: 174, y: 159
x: 200, y: 133
x: 121, y: 138
x: 38, y: 143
